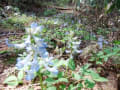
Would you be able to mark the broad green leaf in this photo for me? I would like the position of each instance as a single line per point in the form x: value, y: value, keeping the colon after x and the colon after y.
x: 13, y: 83
x: 70, y: 87
x: 46, y: 73
x: 20, y: 75
x: 71, y: 64
x: 99, y: 62
x: 84, y: 69
x: 76, y: 76
x: 86, y: 66
x: 105, y: 59
x: 62, y: 80
x: 79, y: 85
x: 97, y: 77
x: 49, y: 81
x: 60, y: 74
x: 100, y: 79
x: 92, y: 59
x: 11, y: 80
x: 89, y: 83
x: 94, y: 74
x: 59, y: 63
x: 100, y: 53
x: 62, y: 87
x: 51, y: 75
x: 52, y: 88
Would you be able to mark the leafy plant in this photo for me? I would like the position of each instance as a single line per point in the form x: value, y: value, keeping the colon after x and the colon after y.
x: 52, y: 73
x: 13, y: 80
x: 103, y: 56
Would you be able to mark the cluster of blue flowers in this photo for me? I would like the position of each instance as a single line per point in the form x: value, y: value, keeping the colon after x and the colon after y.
x: 35, y: 53
x: 74, y: 45
x: 101, y: 41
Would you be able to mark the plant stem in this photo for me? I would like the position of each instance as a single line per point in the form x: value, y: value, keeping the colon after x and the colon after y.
x: 41, y: 83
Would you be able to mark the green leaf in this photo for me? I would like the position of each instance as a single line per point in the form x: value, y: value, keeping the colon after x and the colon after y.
x: 62, y: 80
x: 86, y: 66
x: 79, y: 86
x: 59, y: 63
x: 52, y: 88
x: 105, y: 59
x: 60, y: 74
x: 71, y: 64
x: 20, y: 75
x: 70, y: 87
x: 100, y: 79
x: 46, y: 73
x: 94, y: 74
x: 97, y: 77
x: 92, y: 59
x: 62, y: 87
x: 84, y: 69
x: 99, y: 62
x: 89, y: 83
x: 76, y: 76
x: 100, y: 53
x: 51, y: 75
x: 11, y: 80
x: 49, y: 81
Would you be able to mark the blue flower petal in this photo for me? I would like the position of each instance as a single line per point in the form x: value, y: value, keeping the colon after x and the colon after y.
x: 34, y: 25
x: 51, y: 69
x: 30, y: 75
x: 100, y: 44
x: 35, y: 64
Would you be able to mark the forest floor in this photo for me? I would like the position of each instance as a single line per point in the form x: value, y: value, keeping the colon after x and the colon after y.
x: 8, y: 56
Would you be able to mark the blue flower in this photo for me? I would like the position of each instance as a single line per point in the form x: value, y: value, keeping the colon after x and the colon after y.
x: 35, y: 64
x: 35, y: 28
x: 7, y: 43
x: 41, y: 47
x: 48, y: 60
x: 100, y: 42
x: 39, y: 29
x: 19, y: 46
x: 28, y: 40
x: 40, y: 42
x: 30, y: 75
x: 34, y: 25
x: 56, y: 21
x: 106, y: 42
x: 22, y: 63
x: 100, y: 39
x: 51, y: 69
x: 33, y: 69
x: 67, y: 51
x: 79, y: 51
x: 43, y: 53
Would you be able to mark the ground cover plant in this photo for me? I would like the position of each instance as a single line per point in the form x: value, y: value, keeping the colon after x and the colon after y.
x: 36, y: 62
x: 59, y: 50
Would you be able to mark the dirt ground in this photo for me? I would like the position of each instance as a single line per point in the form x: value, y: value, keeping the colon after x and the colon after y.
x: 6, y: 69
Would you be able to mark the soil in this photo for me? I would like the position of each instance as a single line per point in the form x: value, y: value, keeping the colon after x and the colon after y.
x: 6, y: 69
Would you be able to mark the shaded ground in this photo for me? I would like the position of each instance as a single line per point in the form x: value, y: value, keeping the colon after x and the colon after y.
x: 8, y: 58
x: 7, y: 55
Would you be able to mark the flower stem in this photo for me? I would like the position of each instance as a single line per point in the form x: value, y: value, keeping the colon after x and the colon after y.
x: 41, y: 81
